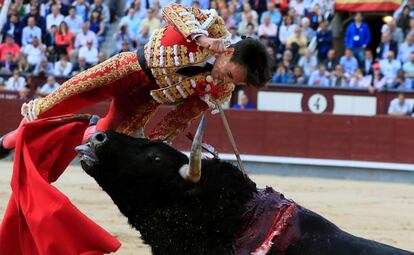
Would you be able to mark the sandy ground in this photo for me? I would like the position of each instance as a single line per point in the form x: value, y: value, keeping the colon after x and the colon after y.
x: 380, y: 211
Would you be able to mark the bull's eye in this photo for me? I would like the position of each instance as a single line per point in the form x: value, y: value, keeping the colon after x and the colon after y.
x: 157, y: 159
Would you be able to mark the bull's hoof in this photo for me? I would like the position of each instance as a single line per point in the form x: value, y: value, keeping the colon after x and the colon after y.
x: 4, y: 153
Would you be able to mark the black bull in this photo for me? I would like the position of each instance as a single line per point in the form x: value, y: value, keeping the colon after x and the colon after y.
x: 212, y: 216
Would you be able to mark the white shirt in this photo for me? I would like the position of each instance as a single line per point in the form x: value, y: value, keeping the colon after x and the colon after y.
x: 81, y: 39
x: 90, y: 55
x: 270, y: 30
x: 395, y: 106
x: 28, y: 33
x: 299, y: 7
x: 53, y: 20
x: 62, y: 70
x: 390, y: 69
x: 74, y: 24
x: 47, y: 89
x: 34, y: 54
x: 286, y: 31
x: 13, y: 84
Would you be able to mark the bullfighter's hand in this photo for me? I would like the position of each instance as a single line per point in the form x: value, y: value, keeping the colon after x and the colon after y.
x: 216, y: 45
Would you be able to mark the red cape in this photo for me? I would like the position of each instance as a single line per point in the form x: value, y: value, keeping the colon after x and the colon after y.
x: 39, y: 219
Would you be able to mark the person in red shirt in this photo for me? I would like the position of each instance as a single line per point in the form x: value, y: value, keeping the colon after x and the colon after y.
x: 9, y: 47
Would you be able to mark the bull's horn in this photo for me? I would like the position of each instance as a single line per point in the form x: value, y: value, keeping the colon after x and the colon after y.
x: 192, y: 171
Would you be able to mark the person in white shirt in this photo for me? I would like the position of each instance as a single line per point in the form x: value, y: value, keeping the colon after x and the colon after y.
x: 405, y: 49
x: 233, y: 36
x: 132, y: 22
x: 89, y: 53
x: 74, y: 21
x: 30, y: 31
x: 34, y: 52
x: 50, y: 86
x: 54, y: 18
x: 62, y: 67
x: 319, y: 78
x: 84, y: 36
x: 267, y: 28
x: 298, y: 5
x: 287, y: 29
x: 358, y: 80
x: 399, y: 106
x: 390, y: 67
x: 308, y: 62
x: 15, y: 82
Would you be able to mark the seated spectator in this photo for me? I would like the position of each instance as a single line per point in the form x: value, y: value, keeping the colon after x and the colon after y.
x: 399, y: 106
x: 102, y: 56
x: 286, y: 30
x: 30, y: 31
x: 82, y: 7
x: 34, y: 52
x: 234, y: 15
x: 406, y: 48
x: 12, y: 27
x: 250, y: 33
x: 267, y: 28
x: 248, y: 11
x: 282, y: 75
x: 319, y: 78
x: 22, y: 64
x: 378, y: 81
x: 339, y: 78
x: 242, y: 30
x: 54, y: 18
x: 233, y: 37
x: 50, y: 86
x: 359, y: 80
x: 308, y: 62
x: 74, y: 21
x: 9, y: 48
x: 386, y: 45
x: 400, y: 82
x: 63, y: 40
x: 80, y: 66
x: 287, y: 60
x: 89, y: 52
x: 84, y: 36
x: 395, y: 33
x: 307, y: 31
x: 97, y: 25
x: 244, y: 103
x: 8, y: 64
x: 389, y: 68
x: 102, y: 8
x: 316, y: 16
x: 143, y: 37
x: 408, y: 69
x: 349, y: 62
x: 62, y: 67
x: 298, y: 77
x: 125, y: 47
x: 330, y: 62
x: 273, y: 13
x: 368, y: 62
x: 324, y: 39
x: 151, y: 21
x: 403, y: 21
x: 297, y: 43
x: 122, y: 35
x: 44, y: 68
x: 225, y: 15
x: 15, y: 82
x: 298, y: 5
x: 40, y: 21
x: 133, y: 23
x: 63, y: 7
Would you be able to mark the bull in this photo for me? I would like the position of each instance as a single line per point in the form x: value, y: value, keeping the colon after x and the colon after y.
x: 189, y: 206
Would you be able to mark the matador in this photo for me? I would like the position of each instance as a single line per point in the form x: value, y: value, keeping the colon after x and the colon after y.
x: 186, y: 63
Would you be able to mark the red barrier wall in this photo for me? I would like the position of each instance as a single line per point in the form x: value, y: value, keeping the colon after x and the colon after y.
x: 379, y: 138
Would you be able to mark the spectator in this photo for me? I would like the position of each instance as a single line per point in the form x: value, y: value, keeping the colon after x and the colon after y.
x: 282, y: 75
x: 408, y: 69
x: 248, y: 11
x: 308, y: 63
x: 102, y: 56
x: 299, y: 6
x: 225, y: 15
x: 133, y: 24
x: 63, y: 40
x: 358, y: 80
x: 63, y: 7
x: 349, y: 62
x: 368, y: 62
x: 102, y: 8
x: 286, y: 30
x: 97, y: 25
x: 386, y: 45
x: 82, y: 9
x: 378, y: 81
x: 15, y: 82
x: 144, y: 36
x: 140, y: 9
x: 298, y: 77
x: 244, y: 103
x: 234, y: 16
x: 62, y: 67
x: 250, y: 31
x: 74, y: 21
x: 399, y: 106
x: 151, y: 21
x: 12, y: 27
x: 330, y: 62
x: 389, y: 68
x: 8, y: 64
x: 338, y: 77
x: 30, y: 31
x: 44, y: 68
x: 316, y: 16
x: 233, y: 37
x: 84, y: 36
x: 54, y: 18
x: 50, y: 86
x: 39, y: 20
x: 403, y: 21
x: 307, y: 32
x: 244, y: 23
x: 287, y: 60
x: 357, y: 36
x: 406, y: 48
x: 319, y: 78
x: 89, y: 52
x: 258, y: 5
x: 80, y: 66
x: 22, y: 64
x: 395, y: 33
x: 122, y: 35
x: 34, y: 52
x: 297, y: 43
x: 9, y: 47
x: 125, y: 47
x: 273, y: 13
x: 400, y: 82
x: 324, y: 37
x: 35, y: 4
x: 267, y: 28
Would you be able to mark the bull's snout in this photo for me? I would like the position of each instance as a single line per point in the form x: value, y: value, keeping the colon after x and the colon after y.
x: 98, y: 139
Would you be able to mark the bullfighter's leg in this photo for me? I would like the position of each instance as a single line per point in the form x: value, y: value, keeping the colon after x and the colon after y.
x: 87, y: 88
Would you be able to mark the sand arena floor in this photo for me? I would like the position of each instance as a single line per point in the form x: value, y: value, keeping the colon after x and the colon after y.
x: 380, y: 211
